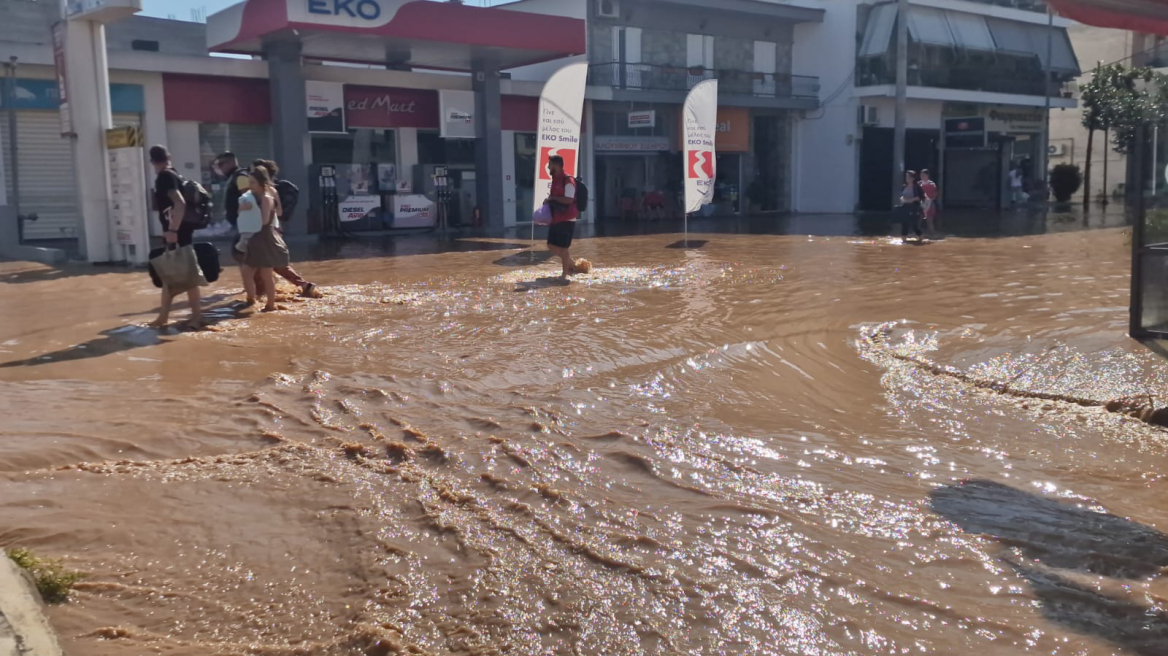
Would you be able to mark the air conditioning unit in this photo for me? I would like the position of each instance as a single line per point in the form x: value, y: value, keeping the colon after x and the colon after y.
x: 869, y: 115
x: 609, y: 9
x: 1057, y: 149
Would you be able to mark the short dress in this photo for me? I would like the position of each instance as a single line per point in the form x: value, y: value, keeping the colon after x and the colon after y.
x: 267, y: 250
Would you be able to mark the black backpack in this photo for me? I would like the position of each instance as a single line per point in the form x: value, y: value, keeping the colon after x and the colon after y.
x: 289, y: 196
x: 199, y: 203
x: 581, y: 195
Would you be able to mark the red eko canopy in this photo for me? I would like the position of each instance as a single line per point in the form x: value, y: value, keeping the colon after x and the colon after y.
x: 1147, y: 16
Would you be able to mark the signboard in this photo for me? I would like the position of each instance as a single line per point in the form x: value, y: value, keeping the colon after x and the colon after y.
x: 965, y: 132
x: 326, y: 106
x: 561, y: 111
x: 414, y: 212
x: 457, y: 111
x: 59, y: 63
x: 128, y: 206
x: 344, y: 13
x: 383, y: 107
x: 1015, y: 119
x: 358, y: 207
x: 645, y: 119
x: 46, y: 94
x: 631, y: 144
x: 701, y: 116
x: 733, y: 131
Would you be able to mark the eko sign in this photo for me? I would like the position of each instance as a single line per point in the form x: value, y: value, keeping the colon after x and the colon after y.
x: 367, y: 9
x: 359, y: 14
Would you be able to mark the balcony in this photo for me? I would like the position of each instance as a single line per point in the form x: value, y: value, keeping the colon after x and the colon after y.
x: 650, y: 78
x: 1019, y: 76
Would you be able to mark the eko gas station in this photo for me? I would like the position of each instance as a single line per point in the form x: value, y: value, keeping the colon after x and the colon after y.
x: 372, y: 101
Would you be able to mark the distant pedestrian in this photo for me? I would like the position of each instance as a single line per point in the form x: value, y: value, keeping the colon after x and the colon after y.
x: 265, y: 251
x: 929, y: 204
x: 1017, y: 185
x: 562, y: 203
x: 168, y: 200
x: 287, y: 196
x: 911, y: 199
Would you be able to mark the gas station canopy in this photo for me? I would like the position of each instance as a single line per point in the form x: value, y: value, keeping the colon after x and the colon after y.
x: 416, y: 33
x: 1147, y: 16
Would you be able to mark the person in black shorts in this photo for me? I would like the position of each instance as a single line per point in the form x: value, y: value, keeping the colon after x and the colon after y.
x: 171, y: 208
x: 562, y: 200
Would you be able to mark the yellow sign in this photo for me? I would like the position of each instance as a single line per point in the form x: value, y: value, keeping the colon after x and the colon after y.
x: 127, y: 137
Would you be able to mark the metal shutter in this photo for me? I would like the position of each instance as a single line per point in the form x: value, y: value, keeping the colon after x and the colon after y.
x: 46, y: 172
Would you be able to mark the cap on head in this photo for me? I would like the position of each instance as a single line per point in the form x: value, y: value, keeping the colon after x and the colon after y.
x: 159, y: 155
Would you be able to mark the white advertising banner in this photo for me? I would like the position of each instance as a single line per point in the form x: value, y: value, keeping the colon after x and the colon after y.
x: 326, y: 106
x: 414, y: 212
x: 356, y: 208
x: 701, y: 124
x: 561, y: 112
x: 457, y: 111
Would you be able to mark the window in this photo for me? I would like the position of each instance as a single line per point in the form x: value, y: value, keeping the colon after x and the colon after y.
x: 359, y: 146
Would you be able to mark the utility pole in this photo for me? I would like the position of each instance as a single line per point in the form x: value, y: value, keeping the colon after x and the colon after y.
x: 898, y: 167
x: 1046, y: 76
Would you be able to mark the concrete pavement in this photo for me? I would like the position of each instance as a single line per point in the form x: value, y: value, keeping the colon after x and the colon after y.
x: 24, y: 628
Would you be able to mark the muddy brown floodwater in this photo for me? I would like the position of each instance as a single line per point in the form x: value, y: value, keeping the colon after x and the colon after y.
x: 705, y: 451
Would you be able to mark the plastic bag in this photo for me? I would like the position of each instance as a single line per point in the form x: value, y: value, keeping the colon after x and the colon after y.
x: 543, y: 215
x: 179, y: 269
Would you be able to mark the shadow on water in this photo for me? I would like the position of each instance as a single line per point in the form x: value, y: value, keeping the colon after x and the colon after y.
x: 127, y: 338
x: 1045, y: 536
x: 525, y: 258
x: 542, y: 283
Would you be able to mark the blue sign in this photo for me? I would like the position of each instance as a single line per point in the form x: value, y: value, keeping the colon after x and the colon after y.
x: 367, y: 9
x: 42, y: 94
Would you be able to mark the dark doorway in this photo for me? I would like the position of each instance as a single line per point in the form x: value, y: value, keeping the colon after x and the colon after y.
x: 920, y: 152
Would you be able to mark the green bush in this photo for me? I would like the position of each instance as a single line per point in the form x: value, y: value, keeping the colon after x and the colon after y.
x: 52, y: 580
x: 1065, y: 180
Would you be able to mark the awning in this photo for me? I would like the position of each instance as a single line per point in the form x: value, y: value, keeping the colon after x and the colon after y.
x: 440, y: 35
x: 878, y: 36
x: 1030, y: 39
x: 957, y: 29
x: 1147, y: 16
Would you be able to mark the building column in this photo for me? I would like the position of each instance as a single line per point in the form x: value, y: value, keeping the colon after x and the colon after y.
x: 87, y: 87
x: 291, y: 143
x: 489, y: 150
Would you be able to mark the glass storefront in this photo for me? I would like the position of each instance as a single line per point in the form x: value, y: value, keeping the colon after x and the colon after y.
x: 525, y: 152
x: 248, y: 142
x: 359, y: 146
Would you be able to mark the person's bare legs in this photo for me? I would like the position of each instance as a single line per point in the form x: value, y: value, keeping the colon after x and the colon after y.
x: 565, y: 259
x: 269, y: 289
x: 194, y: 297
x: 164, y: 311
x: 249, y: 283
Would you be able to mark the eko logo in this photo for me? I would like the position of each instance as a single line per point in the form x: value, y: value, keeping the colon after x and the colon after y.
x: 546, y: 153
x: 700, y: 165
x: 367, y: 9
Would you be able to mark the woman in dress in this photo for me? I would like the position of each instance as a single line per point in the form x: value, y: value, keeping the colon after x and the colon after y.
x: 266, y: 250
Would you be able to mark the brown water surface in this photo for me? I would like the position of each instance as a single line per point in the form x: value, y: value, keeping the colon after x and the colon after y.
x: 702, y: 451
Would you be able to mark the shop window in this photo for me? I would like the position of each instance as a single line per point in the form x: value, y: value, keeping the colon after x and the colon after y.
x: 248, y: 142
x: 433, y: 149
x: 359, y: 146
x: 525, y: 151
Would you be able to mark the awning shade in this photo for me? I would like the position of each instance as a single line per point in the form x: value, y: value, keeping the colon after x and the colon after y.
x: 956, y: 29
x: 1029, y: 39
x: 878, y: 36
x: 970, y: 31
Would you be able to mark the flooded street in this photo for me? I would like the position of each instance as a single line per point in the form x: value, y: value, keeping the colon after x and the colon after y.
x: 756, y: 445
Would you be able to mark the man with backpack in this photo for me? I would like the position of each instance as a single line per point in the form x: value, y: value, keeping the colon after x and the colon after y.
x: 173, y: 209
x: 565, y: 210
x: 238, y: 183
x: 289, y: 195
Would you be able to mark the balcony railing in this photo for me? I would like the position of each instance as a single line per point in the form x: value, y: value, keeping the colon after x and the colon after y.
x: 984, y: 80
x: 650, y: 77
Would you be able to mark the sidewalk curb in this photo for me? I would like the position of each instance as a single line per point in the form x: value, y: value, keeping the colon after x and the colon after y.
x: 24, y: 628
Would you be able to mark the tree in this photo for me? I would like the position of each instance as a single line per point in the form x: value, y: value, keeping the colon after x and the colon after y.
x: 1119, y: 101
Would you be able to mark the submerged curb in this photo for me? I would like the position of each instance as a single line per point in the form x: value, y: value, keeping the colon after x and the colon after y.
x: 24, y: 629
